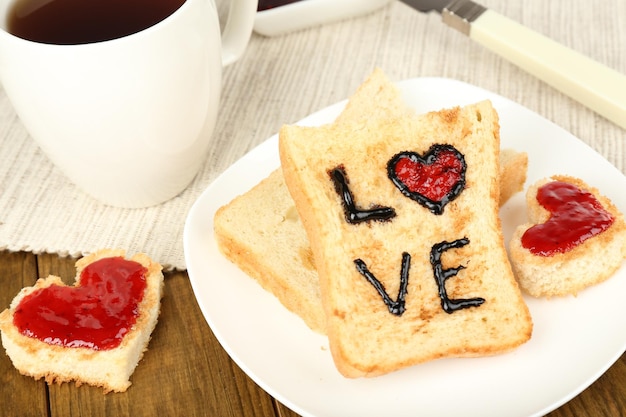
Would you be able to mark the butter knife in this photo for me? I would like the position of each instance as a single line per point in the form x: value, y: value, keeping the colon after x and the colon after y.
x: 596, y: 86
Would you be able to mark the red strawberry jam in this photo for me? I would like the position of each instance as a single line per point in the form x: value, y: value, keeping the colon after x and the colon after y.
x: 576, y: 216
x: 433, y: 179
x: 95, y: 314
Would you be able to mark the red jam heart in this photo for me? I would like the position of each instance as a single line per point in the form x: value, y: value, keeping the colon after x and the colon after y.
x: 96, y: 313
x: 433, y: 180
x: 575, y: 216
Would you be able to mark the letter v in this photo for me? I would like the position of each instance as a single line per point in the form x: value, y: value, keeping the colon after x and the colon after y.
x: 396, y: 307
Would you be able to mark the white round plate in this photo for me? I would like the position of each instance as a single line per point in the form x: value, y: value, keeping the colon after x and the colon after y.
x: 575, y: 339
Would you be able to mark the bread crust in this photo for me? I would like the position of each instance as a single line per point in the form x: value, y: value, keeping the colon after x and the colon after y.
x: 110, y: 369
x: 513, y: 170
x: 365, y: 339
x: 568, y: 273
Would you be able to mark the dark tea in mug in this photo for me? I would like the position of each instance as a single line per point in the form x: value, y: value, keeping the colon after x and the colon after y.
x: 70, y: 22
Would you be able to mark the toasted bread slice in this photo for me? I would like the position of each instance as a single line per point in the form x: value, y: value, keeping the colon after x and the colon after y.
x: 565, y: 267
x: 513, y: 169
x: 108, y: 367
x: 410, y: 270
x: 261, y: 233
x: 376, y: 98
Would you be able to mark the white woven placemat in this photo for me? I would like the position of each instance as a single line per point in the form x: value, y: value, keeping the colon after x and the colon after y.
x: 281, y: 80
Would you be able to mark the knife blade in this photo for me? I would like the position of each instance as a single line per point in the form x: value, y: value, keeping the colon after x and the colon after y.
x: 600, y: 88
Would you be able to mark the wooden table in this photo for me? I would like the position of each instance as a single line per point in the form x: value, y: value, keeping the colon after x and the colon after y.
x: 185, y: 371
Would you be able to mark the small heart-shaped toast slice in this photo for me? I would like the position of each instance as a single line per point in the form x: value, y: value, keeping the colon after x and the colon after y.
x: 575, y: 238
x: 94, y: 332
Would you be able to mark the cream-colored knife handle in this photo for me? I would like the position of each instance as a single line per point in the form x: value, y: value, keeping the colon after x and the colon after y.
x: 597, y: 86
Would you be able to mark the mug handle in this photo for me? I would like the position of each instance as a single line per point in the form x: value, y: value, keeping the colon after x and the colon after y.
x: 238, y: 29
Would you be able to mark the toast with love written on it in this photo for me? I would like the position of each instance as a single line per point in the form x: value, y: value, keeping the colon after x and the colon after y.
x: 402, y: 217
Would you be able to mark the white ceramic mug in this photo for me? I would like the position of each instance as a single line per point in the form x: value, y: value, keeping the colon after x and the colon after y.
x: 127, y: 120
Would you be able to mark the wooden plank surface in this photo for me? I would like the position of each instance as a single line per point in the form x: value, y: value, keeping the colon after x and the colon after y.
x: 19, y: 396
x: 186, y: 372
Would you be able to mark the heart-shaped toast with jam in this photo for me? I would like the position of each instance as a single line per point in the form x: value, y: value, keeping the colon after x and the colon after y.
x: 93, y: 332
x: 575, y: 238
